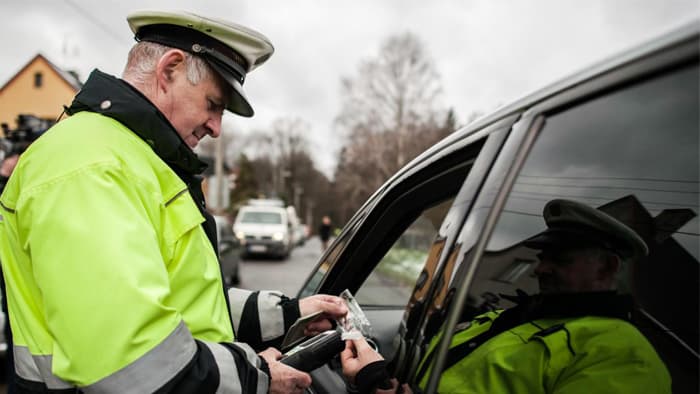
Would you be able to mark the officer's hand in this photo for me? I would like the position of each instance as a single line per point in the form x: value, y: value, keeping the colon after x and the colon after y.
x: 332, y: 307
x: 283, y: 378
x: 357, y: 355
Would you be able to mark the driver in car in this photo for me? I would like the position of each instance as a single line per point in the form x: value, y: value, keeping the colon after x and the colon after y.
x: 575, y: 336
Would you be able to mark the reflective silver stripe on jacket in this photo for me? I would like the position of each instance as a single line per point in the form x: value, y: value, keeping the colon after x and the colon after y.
x: 152, y: 370
x: 229, y: 382
x: 237, y: 299
x: 254, y: 359
x: 270, y: 314
x: 37, y: 369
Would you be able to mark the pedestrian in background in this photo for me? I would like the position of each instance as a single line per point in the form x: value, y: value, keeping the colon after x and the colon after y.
x: 109, y: 254
x: 324, y: 232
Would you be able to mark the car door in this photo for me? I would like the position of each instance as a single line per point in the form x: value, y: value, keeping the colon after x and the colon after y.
x: 389, y: 252
x: 624, y: 141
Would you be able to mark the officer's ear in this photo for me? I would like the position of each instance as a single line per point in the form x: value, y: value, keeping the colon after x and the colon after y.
x: 169, y: 65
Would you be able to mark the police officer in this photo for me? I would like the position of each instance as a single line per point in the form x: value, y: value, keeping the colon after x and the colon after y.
x: 573, y: 337
x: 108, y: 253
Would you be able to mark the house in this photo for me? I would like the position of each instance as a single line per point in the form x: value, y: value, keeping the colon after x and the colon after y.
x: 40, y: 88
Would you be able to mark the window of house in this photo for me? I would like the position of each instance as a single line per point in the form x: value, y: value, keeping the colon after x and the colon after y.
x: 38, y: 79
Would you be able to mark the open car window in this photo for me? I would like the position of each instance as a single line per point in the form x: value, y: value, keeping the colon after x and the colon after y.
x: 392, y: 281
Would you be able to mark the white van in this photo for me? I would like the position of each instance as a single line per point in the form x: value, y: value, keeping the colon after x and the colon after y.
x: 264, y: 230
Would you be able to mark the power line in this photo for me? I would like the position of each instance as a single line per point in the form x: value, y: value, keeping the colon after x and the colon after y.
x: 578, y: 196
x: 643, y: 189
x: 94, y: 21
x: 522, y: 213
x: 611, y: 178
x: 539, y: 216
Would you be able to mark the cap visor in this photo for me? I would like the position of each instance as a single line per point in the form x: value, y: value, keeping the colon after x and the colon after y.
x: 238, y: 103
x: 558, y: 238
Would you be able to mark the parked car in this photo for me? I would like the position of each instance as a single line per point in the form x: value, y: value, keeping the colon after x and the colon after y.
x: 443, y: 237
x: 264, y: 230
x: 229, y: 250
x: 302, y: 234
x: 296, y: 229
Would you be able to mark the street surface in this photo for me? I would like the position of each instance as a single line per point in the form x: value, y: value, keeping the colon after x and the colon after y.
x: 286, y: 276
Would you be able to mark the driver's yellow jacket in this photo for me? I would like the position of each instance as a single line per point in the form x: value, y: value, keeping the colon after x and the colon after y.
x: 563, y: 356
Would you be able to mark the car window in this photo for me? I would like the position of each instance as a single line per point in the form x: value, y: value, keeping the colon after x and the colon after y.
x: 261, y: 217
x: 632, y: 153
x: 392, y: 281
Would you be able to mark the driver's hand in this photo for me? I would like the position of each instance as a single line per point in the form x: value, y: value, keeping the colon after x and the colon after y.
x: 332, y: 307
x: 283, y: 378
x: 357, y: 355
x: 405, y: 389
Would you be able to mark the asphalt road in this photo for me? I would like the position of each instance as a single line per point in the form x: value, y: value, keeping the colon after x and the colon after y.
x: 286, y: 276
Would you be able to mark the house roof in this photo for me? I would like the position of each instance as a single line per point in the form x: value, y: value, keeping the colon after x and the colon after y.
x: 70, y: 79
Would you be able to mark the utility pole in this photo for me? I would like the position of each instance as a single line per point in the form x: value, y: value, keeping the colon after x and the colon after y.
x: 309, y: 215
x: 220, y: 200
x: 284, y: 173
x: 298, y: 190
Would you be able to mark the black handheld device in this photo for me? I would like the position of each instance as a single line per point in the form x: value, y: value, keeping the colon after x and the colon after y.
x: 314, y: 352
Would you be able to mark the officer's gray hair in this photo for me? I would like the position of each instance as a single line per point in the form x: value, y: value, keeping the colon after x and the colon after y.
x: 143, y: 58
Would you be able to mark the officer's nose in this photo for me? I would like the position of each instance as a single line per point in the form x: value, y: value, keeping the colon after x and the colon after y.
x: 213, y: 125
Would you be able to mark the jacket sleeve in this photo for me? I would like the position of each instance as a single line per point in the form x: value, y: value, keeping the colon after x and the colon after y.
x: 622, y: 361
x: 221, y: 368
x: 181, y: 364
x: 261, y: 318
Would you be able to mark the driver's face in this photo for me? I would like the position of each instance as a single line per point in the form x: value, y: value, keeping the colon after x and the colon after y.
x: 567, y: 271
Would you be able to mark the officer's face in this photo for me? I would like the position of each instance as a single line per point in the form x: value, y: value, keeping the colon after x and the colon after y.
x: 195, y: 110
x: 570, y: 271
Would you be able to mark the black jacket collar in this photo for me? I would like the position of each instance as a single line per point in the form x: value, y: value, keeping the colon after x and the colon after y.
x: 565, y: 305
x: 115, y: 98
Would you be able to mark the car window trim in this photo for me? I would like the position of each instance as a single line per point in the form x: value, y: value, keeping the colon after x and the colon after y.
x: 376, y: 243
x: 521, y: 155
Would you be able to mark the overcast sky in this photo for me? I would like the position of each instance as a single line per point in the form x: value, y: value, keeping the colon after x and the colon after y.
x: 487, y: 52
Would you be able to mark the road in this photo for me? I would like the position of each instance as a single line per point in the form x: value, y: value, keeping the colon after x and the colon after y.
x: 286, y: 276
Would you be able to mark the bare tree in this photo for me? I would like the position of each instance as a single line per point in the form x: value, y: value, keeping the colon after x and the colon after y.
x: 389, y: 114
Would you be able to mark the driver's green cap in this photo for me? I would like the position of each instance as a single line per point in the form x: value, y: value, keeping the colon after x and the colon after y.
x: 231, y: 50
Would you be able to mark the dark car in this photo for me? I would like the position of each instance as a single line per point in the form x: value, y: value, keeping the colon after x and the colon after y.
x: 229, y: 250
x: 442, y: 239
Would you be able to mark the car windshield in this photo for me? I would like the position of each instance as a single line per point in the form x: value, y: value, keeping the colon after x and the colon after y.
x: 261, y: 217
